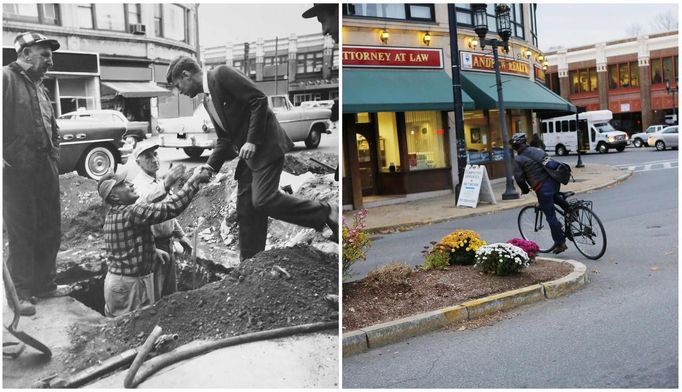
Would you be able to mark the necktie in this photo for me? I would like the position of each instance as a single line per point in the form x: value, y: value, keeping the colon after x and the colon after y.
x: 210, y: 108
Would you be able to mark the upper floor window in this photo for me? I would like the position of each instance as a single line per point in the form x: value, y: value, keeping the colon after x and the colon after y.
x: 533, y: 24
x: 417, y: 12
x: 552, y: 82
x: 309, y: 62
x: 108, y: 16
x: 465, y: 18
x: 663, y: 69
x: 623, y: 75
x: 583, y: 80
x: 174, y: 22
x: 35, y: 13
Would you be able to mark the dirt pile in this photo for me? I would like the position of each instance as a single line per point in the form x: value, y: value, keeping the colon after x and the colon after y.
x: 277, y: 288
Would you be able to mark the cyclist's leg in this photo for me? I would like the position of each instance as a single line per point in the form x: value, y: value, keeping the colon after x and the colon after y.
x: 546, y: 202
x: 560, y: 200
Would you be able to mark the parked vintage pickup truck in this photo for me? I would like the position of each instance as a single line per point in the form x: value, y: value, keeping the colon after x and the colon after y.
x: 194, y: 134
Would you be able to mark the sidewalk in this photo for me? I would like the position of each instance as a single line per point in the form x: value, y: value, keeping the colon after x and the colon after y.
x: 443, y: 208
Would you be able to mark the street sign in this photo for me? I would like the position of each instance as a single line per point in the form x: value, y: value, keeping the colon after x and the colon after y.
x: 475, y: 187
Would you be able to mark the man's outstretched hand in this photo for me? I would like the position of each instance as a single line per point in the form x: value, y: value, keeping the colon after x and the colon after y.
x: 202, y: 174
x: 247, y: 151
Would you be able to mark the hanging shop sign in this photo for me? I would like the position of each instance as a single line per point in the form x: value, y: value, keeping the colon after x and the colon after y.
x: 539, y: 74
x: 391, y: 57
x: 486, y: 63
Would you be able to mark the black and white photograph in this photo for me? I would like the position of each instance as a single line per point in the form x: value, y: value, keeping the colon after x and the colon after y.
x: 171, y: 195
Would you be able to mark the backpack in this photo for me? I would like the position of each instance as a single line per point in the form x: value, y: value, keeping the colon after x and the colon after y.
x: 559, y: 171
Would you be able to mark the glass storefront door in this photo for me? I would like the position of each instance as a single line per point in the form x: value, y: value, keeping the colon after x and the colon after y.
x: 367, y: 158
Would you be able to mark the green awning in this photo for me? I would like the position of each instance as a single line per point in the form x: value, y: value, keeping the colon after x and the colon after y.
x: 518, y: 93
x: 398, y: 90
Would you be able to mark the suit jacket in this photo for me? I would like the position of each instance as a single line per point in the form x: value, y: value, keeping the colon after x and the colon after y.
x: 244, y: 111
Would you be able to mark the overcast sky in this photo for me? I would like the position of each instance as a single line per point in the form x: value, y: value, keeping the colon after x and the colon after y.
x: 571, y: 25
x: 237, y: 23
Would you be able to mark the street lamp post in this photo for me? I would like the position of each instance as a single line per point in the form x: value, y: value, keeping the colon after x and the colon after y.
x: 672, y: 90
x: 504, y: 30
x: 577, y: 129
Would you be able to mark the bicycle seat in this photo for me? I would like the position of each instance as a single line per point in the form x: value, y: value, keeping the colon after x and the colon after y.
x: 566, y: 195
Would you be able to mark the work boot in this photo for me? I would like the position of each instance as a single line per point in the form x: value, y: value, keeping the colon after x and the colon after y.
x: 58, y: 291
x: 333, y: 221
x: 25, y: 307
x: 559, y: 248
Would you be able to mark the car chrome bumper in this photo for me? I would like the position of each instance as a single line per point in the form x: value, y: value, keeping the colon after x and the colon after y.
x: 198, y: 140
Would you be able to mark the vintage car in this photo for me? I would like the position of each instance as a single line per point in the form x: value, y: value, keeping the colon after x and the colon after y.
x: 90, y: 147
x: 194, y: 134
x: 136, y: 129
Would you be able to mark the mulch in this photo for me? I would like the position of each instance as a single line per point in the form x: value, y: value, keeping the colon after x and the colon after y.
x: 373, y: 301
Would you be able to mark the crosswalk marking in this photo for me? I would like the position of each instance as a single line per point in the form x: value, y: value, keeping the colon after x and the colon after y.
x: 651, y: 166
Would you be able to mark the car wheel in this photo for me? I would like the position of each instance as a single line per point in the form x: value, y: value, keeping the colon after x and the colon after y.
x: 96, y: 162
x: 193, y: 152
x: 637, y: 143
x: 660, y: 145
x: 314, y: 138
x: 602, y: 148
x: 620, y: 148
x: 561, y: 150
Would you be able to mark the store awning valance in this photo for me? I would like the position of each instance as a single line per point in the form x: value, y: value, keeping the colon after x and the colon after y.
x: 133, y: 89
x: 397, y: 90
x: 518, y: 93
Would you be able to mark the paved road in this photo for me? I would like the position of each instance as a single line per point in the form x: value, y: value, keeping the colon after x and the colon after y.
x: 329, y: 143
x: 621, y: 330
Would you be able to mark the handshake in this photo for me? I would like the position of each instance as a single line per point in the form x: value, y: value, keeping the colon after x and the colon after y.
x: 202, y: 174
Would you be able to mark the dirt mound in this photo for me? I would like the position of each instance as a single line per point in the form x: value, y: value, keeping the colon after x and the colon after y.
x: 302, y: 162
x: 277, y: 288
x: 82, y: 209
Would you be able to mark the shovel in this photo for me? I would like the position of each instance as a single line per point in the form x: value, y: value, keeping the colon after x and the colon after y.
x: 12, y: 328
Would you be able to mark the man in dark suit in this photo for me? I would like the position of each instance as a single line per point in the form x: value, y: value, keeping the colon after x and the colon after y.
x: 247, y: 128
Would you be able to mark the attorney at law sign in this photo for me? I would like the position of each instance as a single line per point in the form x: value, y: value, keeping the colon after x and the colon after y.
x: 391, y: 57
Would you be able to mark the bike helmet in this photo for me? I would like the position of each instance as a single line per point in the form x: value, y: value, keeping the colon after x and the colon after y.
x: 518, y: 139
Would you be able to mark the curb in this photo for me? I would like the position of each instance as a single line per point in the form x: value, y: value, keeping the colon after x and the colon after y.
x: 358, y: 341
x: 414, y: 225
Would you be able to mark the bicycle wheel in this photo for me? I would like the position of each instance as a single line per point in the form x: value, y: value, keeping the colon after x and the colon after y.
x: 533, y: 227
x: 588, y: 234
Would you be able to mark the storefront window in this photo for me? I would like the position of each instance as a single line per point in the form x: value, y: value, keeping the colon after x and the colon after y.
x: 389, y: 152
x: 425, y: 140
x: 364, y: 154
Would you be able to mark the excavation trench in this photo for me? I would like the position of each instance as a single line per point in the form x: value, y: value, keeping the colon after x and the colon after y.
x: 88, y: 287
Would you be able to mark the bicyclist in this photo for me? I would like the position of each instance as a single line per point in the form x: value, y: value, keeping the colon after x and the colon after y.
x: 528, y: 170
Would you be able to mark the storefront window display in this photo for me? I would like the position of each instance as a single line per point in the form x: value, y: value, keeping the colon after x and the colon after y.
x: 425, y: 140
x: 483, y: 135
x: 389, y: 151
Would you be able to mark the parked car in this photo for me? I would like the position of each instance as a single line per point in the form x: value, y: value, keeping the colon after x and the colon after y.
x: 136, y: 129
x: 327, y: 104
x: 91, y: 147
x: 641, y: 139
x: 670, y: 119
x: 194, y: 134
x: 666, y: 138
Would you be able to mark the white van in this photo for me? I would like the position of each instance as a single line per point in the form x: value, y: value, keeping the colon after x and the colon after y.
x: 596, y: 133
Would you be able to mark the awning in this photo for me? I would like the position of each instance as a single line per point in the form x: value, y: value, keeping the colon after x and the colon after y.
x: 518, y: 93
x: 373, y: 90
x: 133, y: 89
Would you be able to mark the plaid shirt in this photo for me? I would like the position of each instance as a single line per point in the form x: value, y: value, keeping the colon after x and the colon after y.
x: 128, y: 234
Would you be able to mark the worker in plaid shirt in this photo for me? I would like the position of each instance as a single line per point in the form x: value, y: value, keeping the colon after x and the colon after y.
x: 129, y: 284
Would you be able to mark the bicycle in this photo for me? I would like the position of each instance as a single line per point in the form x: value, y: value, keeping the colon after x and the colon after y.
x: 580, y: 224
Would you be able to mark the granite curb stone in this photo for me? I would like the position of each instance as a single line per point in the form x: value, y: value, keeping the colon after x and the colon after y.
x: 361, y: 340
